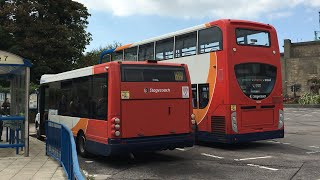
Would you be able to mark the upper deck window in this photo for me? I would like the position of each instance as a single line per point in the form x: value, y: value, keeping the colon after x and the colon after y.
x: 210, y: 39
x: 186, y: 45
x: 117, y: 56
x: 139, y: 73
x: 146, y: 52
x: 164, y: 49
x: 130, y: 54
x: 250, y: 37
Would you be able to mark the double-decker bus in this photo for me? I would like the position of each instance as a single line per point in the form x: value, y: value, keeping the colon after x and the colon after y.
x: 119, y: 107
x: 235, y: 73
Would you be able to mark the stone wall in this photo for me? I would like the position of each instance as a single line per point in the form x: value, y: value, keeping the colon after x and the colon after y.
x: 300, y: 63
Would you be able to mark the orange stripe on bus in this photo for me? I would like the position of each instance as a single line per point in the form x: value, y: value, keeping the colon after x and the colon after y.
x: 81, y: 125
x: 123, y: 47
x: 211, y: 80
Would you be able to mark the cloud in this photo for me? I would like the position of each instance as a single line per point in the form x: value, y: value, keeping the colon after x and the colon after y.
x: 252, y: 9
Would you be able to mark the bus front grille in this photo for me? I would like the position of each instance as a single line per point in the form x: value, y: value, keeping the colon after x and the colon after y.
x: 218, y: 125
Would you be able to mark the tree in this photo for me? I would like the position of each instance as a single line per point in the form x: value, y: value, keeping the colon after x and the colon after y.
x: 50, y: 33
x: 92, y: 57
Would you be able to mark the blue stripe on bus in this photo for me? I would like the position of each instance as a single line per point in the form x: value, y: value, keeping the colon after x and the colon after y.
x: 105, y: 52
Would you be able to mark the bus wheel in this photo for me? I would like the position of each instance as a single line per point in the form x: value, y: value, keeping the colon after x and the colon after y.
x: 81, y: 145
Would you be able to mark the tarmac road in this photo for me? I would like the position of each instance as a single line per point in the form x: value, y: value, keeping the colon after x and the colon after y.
x: 297, y: 156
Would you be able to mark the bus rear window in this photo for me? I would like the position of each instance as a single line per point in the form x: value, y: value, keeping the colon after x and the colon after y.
x: 138, y: 73
x: 256, y: 80
x: 250, y: 37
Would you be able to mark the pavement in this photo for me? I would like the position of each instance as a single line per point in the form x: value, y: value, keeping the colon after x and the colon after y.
x: 297, y: 156
x: 36, y: 166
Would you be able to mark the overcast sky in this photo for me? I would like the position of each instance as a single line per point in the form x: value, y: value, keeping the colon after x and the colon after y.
x: 128, y: 21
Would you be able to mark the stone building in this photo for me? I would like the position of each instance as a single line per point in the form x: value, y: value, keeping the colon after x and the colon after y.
x: 300, y: 67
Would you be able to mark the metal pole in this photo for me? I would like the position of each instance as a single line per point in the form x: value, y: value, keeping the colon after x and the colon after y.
x: 26, y: 114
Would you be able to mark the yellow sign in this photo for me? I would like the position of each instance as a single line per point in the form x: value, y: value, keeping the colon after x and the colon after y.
x: 233, y: 107
x: 125, y: 95
x: 178, y: 75
x: 8, y: 58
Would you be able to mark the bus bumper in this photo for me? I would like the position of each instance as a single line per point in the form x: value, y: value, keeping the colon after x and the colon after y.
x: 156, y: 143
x: 239, y: 138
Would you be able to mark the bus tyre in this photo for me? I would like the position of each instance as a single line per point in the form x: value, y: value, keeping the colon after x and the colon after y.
x: 81, y: 145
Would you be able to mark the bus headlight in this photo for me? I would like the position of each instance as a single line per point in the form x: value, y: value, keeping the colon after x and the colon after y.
x: 234, y: 122
x: 281, y: 119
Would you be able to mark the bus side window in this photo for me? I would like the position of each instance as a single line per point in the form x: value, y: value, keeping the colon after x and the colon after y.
x: 146, y: 52
x: 186, y: 45
x: 194, y: 96
x: 210, y: 39
x: 66, y: 98
x: 164, y: 49
x: 130, y: 54
x: 99, y: 97
x: 203, y: 95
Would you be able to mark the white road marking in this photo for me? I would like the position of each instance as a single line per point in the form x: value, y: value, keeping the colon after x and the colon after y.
x: 89, y: 162
x: 276, y: 142
x: 286, y: 143
x: 313, y: 152
x: 263, y: 167
x: 210, y: 155
x: 180, y: 149
x: 253, y: 158
x: 315, y: 147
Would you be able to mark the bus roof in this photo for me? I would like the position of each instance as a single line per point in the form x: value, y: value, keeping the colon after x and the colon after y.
x: 192, y: 29
x: 87, y: 71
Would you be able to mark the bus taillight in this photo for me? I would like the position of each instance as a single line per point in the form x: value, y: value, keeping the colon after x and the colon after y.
x: 116, y: 126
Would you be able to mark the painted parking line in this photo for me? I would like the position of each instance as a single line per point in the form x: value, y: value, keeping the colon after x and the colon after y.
x: 317, y: 147
x: 313, y: 152
x: 276, y: 142
x: 253, y: 158
x: 263, y: 167
x: 210, y: 155
x: 180, y: 149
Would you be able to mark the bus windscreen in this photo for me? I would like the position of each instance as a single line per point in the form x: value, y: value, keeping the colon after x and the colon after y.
x: 256, y: 80
x: 139, y: 73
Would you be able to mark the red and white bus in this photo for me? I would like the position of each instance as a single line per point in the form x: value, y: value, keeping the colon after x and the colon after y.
x: 235, y: 73
x: 120, y: 107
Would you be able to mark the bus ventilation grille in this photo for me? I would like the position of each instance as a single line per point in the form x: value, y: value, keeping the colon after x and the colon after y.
x: 218, y: 125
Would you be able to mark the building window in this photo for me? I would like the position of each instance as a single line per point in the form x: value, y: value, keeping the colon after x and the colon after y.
x: 186, y: 45
x: 146, y: 52
x: 164, y: 49
x: 130, y: 54
x: 210, y: 39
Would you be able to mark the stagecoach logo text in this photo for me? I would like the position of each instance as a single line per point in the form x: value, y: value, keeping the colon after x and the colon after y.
x: 151, y: 90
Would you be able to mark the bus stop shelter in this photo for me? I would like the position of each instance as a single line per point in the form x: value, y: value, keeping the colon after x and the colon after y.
x: 14, y: 99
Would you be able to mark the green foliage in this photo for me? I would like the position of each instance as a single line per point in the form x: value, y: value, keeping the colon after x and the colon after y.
x: 50, y: 33
x: 92, y: 57
x: 309, y: 98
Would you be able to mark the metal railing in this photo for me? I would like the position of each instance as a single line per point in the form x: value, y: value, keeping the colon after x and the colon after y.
x: 14, y: 126
x: 61, y: 146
